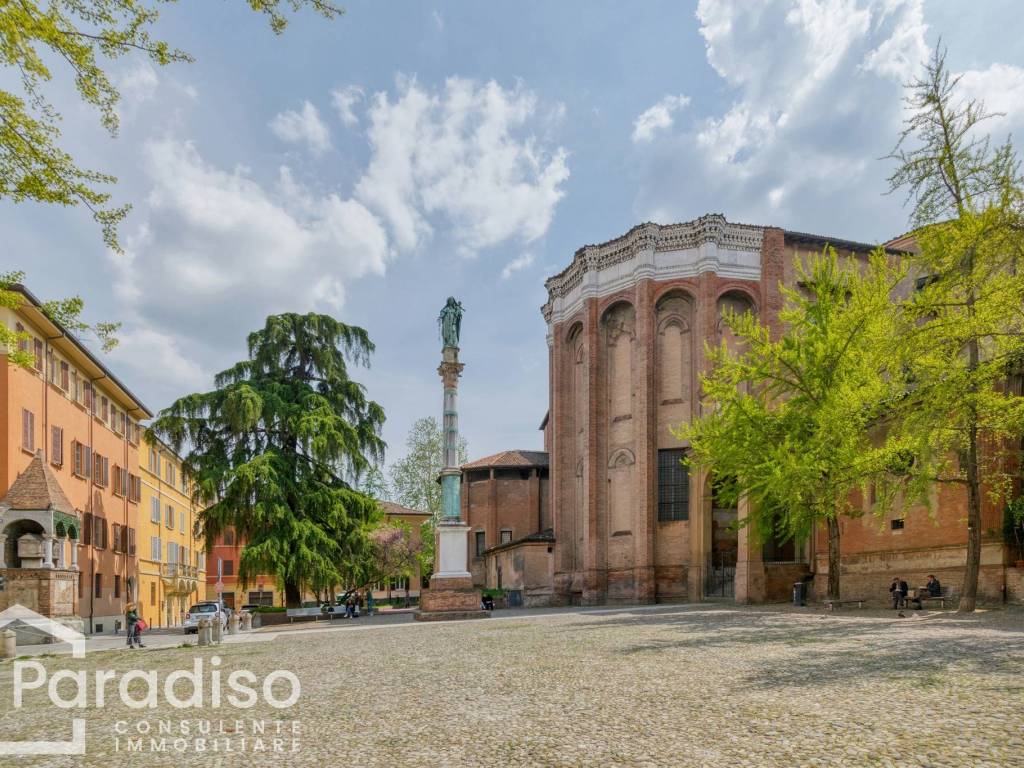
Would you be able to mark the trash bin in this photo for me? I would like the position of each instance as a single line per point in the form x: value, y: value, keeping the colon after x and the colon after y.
x: 800, y: 593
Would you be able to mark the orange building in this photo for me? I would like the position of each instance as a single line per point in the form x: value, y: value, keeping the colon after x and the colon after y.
x: 224, y: 555
x: 82, y: 422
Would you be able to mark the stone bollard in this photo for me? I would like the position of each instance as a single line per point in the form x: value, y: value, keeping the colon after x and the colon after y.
x: 217, y: 629
x: 10, y: 649
x: 247, y: 622
x: 203, y: 632
x: 233, y: 624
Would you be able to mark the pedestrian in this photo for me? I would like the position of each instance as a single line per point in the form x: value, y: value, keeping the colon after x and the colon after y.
x: 369, y: 602
x: 133, y: 621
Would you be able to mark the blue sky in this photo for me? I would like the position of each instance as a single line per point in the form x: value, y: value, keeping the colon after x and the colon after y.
x: 372, y: 166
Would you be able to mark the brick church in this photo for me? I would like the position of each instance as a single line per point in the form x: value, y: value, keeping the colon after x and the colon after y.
x: 607, y: 513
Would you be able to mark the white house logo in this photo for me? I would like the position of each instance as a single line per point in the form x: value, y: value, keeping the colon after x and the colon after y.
x: 21, y: 616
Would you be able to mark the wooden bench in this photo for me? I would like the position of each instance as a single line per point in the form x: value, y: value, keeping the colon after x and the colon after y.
x: 303, y: 613
x: 831, y: 605
x: 947, y: 594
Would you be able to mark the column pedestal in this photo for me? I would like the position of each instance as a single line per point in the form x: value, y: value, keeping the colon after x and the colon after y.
x: 451, y: 594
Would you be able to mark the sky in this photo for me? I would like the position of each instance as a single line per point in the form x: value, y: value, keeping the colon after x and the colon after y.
x: 372, y: 166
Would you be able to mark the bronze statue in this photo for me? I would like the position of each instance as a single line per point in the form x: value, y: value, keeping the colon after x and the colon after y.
x: 450, y: 322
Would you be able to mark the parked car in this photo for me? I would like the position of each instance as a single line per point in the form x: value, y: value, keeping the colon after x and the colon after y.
x: 250, y: 608
x: 205, y: 610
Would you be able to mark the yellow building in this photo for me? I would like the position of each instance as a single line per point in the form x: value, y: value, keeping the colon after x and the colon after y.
x: 172, y: 559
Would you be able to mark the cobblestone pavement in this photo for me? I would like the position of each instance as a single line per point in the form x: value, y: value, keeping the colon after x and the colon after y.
x: 696, y: 685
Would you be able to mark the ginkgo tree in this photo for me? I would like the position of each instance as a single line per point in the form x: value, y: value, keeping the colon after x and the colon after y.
x: 789, y: 417
x: 963, y: 329
x: 80, y: 39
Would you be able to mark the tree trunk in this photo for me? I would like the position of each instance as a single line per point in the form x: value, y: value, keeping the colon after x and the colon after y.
x: 969, y: 594
x: 833, y: 558
x: 292, y: 595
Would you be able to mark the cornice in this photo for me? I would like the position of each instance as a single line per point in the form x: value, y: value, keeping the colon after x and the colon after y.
x: 709, y: 243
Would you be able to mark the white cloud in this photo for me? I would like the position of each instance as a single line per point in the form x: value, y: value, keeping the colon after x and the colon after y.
x: 137, y: 85
x: 345, y: 100
x: 223, y: 239
x: 465, y: 154
x: 1001, y: 88
x: 303, y: 127
x: 816, y: 99
x: 658, y: 117
x: 438, y: 20
x: 517, y: 264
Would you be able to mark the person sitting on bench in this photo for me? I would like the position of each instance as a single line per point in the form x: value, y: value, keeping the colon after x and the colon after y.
x: 898, y: 590
x: 934, y: 590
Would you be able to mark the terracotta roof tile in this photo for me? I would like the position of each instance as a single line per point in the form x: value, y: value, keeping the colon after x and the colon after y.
x: 37, y: 488
x: 390, y: 508
x: 514, y: 458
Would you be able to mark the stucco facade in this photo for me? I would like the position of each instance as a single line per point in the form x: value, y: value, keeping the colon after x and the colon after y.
x: 71, y: 410
x: 172, y: 559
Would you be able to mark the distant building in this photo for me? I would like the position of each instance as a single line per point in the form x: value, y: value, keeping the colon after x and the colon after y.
x: 507, y: 503
x: 224, y: 555
x: 172, y: 558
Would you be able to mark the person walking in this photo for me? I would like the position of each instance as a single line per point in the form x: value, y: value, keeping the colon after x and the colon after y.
x: 133, y: 621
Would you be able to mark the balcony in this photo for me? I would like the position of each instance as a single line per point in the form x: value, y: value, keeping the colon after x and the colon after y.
x: 179, y: 578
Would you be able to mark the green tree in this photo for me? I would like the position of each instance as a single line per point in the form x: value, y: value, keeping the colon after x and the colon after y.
x: 273, y: 450
x: 84, y: 37
x: 66, y: 312
x: 414, y: 477
x: 964, y: 333
x: 786, y: 420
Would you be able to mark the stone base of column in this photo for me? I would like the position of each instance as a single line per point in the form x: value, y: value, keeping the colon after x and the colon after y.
x: 450, y: 598
x: 451, y: 595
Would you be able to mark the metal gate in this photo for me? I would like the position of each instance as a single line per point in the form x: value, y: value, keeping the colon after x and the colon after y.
x: 720, y: 576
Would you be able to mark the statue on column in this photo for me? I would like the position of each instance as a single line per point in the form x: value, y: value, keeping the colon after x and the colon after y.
x: 450, y: 322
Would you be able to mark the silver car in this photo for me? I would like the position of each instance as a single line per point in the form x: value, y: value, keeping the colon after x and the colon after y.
x: 205, y: 610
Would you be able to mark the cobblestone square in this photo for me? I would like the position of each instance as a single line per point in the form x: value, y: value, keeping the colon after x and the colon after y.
x: 694, y: 685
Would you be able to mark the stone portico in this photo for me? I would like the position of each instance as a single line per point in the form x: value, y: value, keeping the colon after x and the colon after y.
x: 40, y: 532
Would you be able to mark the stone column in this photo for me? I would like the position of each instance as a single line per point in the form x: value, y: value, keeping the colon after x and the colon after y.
x: 47, y: 550
x: 451, y: 594
x: 74, y: 554
x: 3, y: 550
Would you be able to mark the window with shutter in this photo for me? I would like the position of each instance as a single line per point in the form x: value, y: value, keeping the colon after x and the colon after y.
x: 28, y: 430
x: 117, y: 537
x: 37, y: 350
x: 104, y: 408
x: 65, y: 376
x: 131, y: 541
x: 22, y: 342
x: 154, y: 548
x: 76, y: 387
x: 57, y: 446
x: 117, y: 585
x: 90, y: 397
x: 154, y: 510
x: 169, y: 521
x: 87, y: 527
x: 98, y: 585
